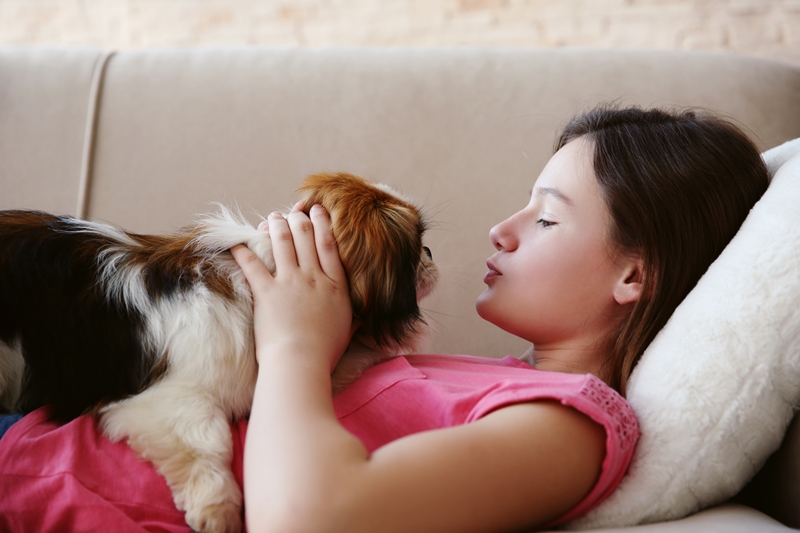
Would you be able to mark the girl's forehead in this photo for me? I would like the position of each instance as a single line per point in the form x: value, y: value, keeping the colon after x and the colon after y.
x: 569, y: 175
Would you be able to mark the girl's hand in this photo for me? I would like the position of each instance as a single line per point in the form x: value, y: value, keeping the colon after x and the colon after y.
x: 305, y: 307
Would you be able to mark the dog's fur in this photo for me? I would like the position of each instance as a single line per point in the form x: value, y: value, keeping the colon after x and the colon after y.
x: 154, y: 333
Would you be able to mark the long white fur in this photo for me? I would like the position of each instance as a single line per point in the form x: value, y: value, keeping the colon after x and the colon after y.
x: 226, y: 228
x: 181, y: 422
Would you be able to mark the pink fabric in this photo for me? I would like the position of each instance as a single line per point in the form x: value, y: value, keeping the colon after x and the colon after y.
x: 420, y: 392
x: 71, y: 478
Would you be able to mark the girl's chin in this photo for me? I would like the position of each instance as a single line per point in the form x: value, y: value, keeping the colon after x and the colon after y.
x: 485, y: 306
x: 490, y: 310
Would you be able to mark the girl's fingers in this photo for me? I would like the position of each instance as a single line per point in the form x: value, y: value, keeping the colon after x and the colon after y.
x: 304, y: 245
x: 299, y: 206
x: 327, y: 250
x: 296, y: 240
x: 282, y: 243
x: 253, y: 269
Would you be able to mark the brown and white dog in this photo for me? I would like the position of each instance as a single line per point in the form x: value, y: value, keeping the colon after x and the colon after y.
x: 154, y: 332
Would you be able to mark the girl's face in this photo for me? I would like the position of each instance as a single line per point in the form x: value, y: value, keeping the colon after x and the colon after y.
x: 554, y: 279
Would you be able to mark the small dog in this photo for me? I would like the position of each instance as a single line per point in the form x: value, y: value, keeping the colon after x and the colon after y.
x: 154, y: 333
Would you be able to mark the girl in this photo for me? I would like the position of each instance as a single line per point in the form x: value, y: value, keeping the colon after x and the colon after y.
x: 622, y: 222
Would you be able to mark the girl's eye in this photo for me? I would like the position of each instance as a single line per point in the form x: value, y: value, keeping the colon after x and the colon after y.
x: 545, y: 223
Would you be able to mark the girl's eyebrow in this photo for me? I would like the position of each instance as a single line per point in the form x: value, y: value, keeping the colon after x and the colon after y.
x: 555, y: 193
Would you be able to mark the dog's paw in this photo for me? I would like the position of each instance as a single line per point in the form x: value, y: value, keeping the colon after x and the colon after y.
x: 212, y: 501
x: 218, y: 518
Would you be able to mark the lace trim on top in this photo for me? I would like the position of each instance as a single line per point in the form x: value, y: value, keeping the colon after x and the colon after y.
x: 627, y: 428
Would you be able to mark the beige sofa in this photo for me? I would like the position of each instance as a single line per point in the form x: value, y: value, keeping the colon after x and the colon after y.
x: 147, y: 139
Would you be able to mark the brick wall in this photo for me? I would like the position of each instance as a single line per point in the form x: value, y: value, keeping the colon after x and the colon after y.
x: 762, y: 28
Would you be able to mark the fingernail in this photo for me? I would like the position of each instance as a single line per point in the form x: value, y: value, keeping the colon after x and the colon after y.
x: 317, y: 208
x: 275, y: 214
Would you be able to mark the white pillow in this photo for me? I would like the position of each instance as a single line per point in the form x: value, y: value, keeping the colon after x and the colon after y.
x: 714, y: 392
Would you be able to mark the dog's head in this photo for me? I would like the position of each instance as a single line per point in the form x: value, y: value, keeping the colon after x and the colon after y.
x: 379, y: 234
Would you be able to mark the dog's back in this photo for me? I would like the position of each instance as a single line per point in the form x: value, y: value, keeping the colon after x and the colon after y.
x: 155, y: 332
x: 81, y: 348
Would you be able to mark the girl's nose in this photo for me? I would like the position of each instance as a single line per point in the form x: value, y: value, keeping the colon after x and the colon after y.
x: 502, y: 236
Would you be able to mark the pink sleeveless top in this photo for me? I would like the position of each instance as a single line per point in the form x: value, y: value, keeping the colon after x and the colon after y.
x: 71, y: 478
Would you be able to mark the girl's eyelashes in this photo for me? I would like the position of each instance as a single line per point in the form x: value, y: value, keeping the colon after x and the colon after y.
x: 545, y: 223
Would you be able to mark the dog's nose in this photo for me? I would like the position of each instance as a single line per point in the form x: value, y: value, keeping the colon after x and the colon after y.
x: 427, y: 252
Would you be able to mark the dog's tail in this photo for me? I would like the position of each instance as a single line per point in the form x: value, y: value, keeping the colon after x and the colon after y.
x: 218, y: 232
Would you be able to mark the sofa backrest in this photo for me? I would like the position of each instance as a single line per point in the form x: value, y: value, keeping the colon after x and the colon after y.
x: 44, y: 99
x: 147, y: 139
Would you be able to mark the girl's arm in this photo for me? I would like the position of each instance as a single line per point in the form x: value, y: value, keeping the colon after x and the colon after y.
x: 517, y: 467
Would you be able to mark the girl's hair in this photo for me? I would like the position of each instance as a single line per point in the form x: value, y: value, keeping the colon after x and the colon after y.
x: 678, y: 184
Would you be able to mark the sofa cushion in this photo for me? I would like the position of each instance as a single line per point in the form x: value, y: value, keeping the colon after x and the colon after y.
x: 727, y: 518
x: 715, y: 390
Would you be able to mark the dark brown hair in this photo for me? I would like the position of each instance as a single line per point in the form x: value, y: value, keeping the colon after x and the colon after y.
x: 678, y: 184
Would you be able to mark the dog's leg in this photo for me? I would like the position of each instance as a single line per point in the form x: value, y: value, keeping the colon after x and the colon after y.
x: 188, y: 439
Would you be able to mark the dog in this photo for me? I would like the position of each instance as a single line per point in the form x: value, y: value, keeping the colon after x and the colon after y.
x: 154, y: 333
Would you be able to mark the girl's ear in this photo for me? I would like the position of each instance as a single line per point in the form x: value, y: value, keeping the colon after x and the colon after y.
x: 629, y: 287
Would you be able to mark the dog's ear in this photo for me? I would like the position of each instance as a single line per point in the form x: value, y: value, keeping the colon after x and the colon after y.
x: 380, y: 242
x: 381, y: 251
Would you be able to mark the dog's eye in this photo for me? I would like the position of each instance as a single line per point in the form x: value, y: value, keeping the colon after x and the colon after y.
x: 427, y: 252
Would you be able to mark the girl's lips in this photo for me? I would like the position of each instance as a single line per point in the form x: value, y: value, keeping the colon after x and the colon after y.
x: 493, y: 272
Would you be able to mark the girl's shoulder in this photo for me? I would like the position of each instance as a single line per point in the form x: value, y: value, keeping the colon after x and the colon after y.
x: 426, y: 391
x: 510, y: 380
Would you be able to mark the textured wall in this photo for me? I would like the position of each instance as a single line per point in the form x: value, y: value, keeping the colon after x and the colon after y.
x: 763, y: 28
